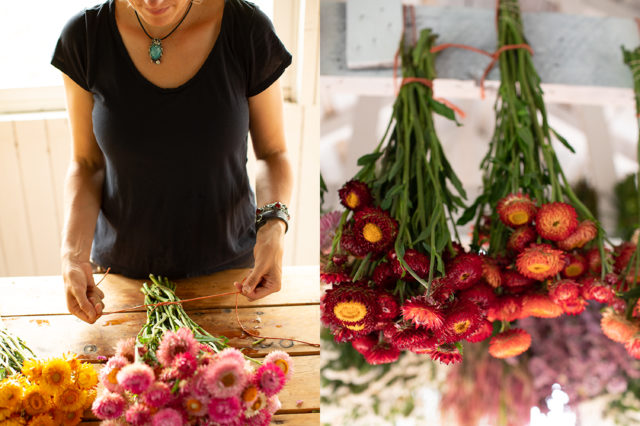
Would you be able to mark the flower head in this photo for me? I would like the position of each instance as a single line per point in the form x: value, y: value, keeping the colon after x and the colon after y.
x: 540, y: 306
x: 460, y: 321
x: 36, y: 401
x: 32, y: 369
x: 521, y: 238
x: 446, y: 354
x: 575, y: 266
x: 585, y: 232
x: 593, y: 289
x: 257, y: 406
x: 269, y: 378
x: 42, y: 420
x: 86, y: 377
x: 509, y: 343
x: 505, y: 308
x: 491, y: 272
x: 185, y: 364
x: 174, y: 343
x: 564, y: 290
x: 67, y: 418
x: 480, y: 294
x: 157, y: 395
x: 405, y: 335
x: 423, y: 312
x: 540, y: 261
x: 382, y: 353
x: 136, y: 377
x: 484, y: 330
x: 282, y: 360
x: 351, y: 305
x: 70, y: 399
x: 109, y: 373
x: 418, y: 262
x: 384, y: 275
x: 388, y: 306
x: 225, y: 378
x: 515, y: 280
x: 464, y: 271
x: 617, y: 328
x: 127, y: 348
x: 109, y: 405
x: 573, y: 306
x: 138, y: 414
x: 633, y: 347
x: 167, y: 417
x: 11, y: 393
x: 374, y: 230
x: 556, y: 221
x: 196, y: 406
x: 516, y: 210
x: 355, y: 195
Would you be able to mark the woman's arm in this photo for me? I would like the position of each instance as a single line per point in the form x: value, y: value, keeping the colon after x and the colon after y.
x: 274, y: 182
x: 82, y: 199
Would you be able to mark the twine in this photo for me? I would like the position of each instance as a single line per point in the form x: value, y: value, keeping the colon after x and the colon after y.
x: 180, y: 302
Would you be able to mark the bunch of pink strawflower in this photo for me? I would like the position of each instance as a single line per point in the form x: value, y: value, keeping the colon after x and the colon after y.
x: 184, y: 384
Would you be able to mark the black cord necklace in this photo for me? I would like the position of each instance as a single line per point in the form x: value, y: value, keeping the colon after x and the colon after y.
x: 155, y: 49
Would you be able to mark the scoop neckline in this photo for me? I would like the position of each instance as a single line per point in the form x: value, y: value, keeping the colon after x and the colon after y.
x: 136, y: 71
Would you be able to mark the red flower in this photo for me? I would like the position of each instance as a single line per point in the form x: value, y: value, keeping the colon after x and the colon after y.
x: 350, y: 305
x: 387, y: 306
x: 556, y: 221
x: 514, y: 280
x: 484, y: 330
x: 355, y: 195
x: 516, y: 210
x: 382, y: 353
x: 460, y: 321
x: 575, y: 266
x: 464, y: 271
x: 594, y: 261
x: 521, y: 238
x: 573, y: 306
x: 617, y: 328
x: 417, y: 261
x: 505, y: 308
x: 564, y: 290
x: 491, y: 272
x: 423, y: 311
x: 334, y: 277
x: 406, y: 336
x: 585, y: 232
x: 633, y: 347
x: 446, y: 354
x: 374, y: 230
x: 593, y: 289
x: 623, y: 254
x: 383, y: 275
x: 540, y: 261
x: 540, y: 306
x: 364, y: 344
x: 636, y: 310
x: 480, y: 294
x: 349, y: 243
x: 509, y: 343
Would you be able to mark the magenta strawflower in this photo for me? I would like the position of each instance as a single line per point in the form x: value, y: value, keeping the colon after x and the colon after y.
x: 136, y: 378
x: 282, y: 360
x: 174, y: 343
x: 138, y: 414
x: 269, y: 378
x: 108, y: 406
x: 231, y: 353
x: 261, y: 418
x: 185, y: 364
x: 198, y: 382
x: 223, y: 410
x: 108, y: 374
x: 167, y: 417
x: 225, y: 378
x: 157, y: 395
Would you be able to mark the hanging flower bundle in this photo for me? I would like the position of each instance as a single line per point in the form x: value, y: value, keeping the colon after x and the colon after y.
x: 399, y: 278
x: 176, y: 373
x: 42, y: 392
x: 546, y: 254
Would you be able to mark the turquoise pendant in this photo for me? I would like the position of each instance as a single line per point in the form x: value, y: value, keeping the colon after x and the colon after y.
x: 155, y: 50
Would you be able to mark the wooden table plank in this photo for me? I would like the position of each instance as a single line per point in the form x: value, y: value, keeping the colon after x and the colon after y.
x: 44, y: 295
x: 308, y: 419
x: 53, y: 334
x: 301, y: 395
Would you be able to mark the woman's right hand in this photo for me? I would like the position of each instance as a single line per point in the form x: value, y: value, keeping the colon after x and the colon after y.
x: 84, y: 298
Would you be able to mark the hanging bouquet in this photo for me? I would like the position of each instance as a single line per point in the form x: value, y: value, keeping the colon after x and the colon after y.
x: 176, y: 373
x: 42, y: 392
x: 399, y: 278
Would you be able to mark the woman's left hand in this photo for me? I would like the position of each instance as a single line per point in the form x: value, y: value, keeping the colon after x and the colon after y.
x: 266, y: 276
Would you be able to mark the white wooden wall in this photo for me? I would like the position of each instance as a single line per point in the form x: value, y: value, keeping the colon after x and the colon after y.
x: 35, y: 150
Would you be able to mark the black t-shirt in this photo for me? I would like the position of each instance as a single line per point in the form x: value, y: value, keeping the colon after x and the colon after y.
x: 176, y: 199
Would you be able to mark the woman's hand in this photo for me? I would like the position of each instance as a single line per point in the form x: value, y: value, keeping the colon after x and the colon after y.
x: 266, y: 276
x: 84, y: 298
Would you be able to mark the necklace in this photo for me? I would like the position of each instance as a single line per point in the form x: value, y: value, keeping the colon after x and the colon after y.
x: 155, y: 49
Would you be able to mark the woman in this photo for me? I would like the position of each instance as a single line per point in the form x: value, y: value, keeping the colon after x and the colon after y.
x: 161, y: 95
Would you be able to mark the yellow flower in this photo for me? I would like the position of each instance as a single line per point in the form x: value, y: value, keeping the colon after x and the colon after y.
x: 67, y: 418
x: 56, y: 375
x: 36, y: 401
x: 5, y: 413
x: 70, y: 399
x: 42, y: 420
x: 32, y: 368
x: 15, y: 420
x: 73, y: 361
x: 89, y: 397
x: 10, y: 394
x: 86, y: 377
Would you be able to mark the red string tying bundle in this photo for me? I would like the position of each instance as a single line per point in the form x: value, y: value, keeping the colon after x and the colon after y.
x: 180, y: 302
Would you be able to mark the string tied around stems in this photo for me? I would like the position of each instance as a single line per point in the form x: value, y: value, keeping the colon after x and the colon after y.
x: 180, y: 302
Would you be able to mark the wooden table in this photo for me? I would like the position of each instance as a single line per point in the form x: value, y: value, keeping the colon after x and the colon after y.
x: 34, y: 309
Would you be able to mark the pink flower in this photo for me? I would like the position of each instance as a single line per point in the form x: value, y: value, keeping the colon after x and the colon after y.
x: 198, y: 383
x: 261, y: 418
x: 195, y: 405
x: 185, y: 364
x: 223, y: 410
x: 231, y: 353
x: 136, y: 378
x: 282, y: 360
x: 176, y: 343
x: 273, y: 404
x: 126, y: 349
x: 108, y: 374
x: 167, y: 417
x: 108, y: 406
x: 270, y: 379
x: 138, y: 414
x: 157, y: 395
x: 225, y: 378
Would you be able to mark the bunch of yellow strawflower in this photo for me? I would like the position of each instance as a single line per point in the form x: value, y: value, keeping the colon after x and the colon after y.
x: 48, y: 393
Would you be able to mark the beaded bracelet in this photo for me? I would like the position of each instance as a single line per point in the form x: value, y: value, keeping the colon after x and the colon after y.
x: 270, y: 211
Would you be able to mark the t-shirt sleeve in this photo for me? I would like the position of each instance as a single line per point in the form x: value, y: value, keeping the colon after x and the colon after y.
x: 70, y: 55
x: 266, y: 55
